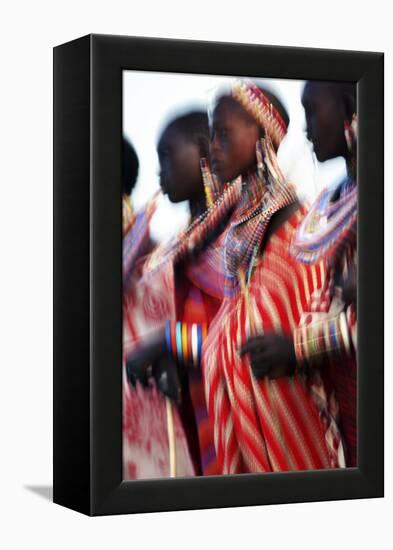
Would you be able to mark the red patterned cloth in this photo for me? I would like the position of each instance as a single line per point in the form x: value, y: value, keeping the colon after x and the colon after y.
x: 264, y: 425
x: 145, y: 434
x: 194, y: 305
x: 329, y: 231
x: 146, y: 306
x: 342, y: 375
x: 152, y: 297
x: 211, y: 276
x: 136, y: 238
x: 335, y: 367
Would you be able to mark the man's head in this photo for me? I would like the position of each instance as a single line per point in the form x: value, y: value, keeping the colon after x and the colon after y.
x: 327, y: 106
x: 234, y: 135
x: 181, y: 145
x: 130, y: 167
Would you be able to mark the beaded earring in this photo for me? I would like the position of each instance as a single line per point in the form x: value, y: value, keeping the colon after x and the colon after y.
x: 260, y: 163
x: 128, y: 213
x: 209, y: 183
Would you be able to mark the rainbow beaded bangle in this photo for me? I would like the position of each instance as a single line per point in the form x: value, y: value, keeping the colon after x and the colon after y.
x: 326, y: 338
x: 330, y: 336
x: 189, y: 344
x: 179, y: 342
x: 333, y: 334
x: 168, y: 337
x: 173, y: 340
x: 184, y: 341
x: 199, y: 330
x: 312, y: 346
x: 298, y: 350
x: 194, y: 340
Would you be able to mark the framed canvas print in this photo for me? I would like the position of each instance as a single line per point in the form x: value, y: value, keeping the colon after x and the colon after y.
x: 218, y: 275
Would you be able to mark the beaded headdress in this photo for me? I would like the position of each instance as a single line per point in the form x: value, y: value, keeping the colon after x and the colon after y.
x: 255, y: 102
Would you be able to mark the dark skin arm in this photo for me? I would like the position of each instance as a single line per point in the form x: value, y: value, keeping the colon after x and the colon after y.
x: 273, y: 354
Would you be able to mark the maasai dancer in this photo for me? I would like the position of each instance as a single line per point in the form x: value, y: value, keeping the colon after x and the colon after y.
x: 183, y: 152
x: 130, y: 169
x: 325, y: 340
x: 142, y: 456
x: 260, y: 424
x: 164, y: 293
x: 136, y: 234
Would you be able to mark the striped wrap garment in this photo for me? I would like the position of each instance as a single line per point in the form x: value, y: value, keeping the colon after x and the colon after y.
x: 264, y: 425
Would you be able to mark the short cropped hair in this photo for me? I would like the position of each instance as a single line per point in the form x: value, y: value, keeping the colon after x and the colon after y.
x: 130, y: 167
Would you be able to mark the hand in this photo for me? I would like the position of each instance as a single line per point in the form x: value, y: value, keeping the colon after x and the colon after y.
x: 139, y: 363
x: 271, y: 355
x: 349, y: 286
x: 167, y: 378
x: 151, y: 361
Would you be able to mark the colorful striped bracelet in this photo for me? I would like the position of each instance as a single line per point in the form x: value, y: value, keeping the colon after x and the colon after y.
x: 184, y: 342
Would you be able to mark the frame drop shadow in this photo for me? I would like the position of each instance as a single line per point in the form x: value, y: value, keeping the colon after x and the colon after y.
x: 44, y: 491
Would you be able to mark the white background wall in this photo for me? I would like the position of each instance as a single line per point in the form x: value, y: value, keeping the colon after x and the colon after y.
x: 28, y: 32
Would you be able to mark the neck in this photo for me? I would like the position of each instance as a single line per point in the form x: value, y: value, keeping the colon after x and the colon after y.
x: 197, y: 206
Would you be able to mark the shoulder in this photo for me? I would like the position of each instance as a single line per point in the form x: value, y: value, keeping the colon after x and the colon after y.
x: 286, y: 221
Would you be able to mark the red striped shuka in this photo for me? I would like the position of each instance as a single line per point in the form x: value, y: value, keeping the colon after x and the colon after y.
x: 170, y: 290
x: 195, y: 305
x: 329, y: 231
x: 264, y: 425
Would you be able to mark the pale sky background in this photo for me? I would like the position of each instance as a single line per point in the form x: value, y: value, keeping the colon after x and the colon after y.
x: 151, y: 100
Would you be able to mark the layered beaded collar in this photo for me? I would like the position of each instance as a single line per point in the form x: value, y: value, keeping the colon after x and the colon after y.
x: 330, y: 219
x: 264, y: 193
x: 189, y: 240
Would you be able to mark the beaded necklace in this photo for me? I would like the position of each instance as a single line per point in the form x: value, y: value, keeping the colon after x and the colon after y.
x: 328, y: 223
x: 264, y: 193
x: 185, y: 243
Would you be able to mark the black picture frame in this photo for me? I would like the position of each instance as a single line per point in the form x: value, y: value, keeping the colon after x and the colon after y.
x: 88, y: 275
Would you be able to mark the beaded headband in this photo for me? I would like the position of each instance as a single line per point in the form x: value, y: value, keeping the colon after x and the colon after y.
x: 254, y: 101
